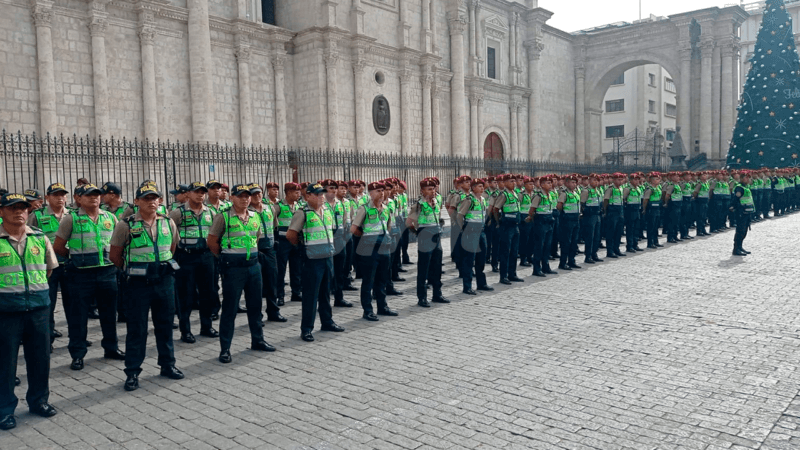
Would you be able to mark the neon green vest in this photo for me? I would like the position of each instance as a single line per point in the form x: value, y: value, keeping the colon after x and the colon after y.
x: 285, y: 217
x: 616, y: 197
x: 48, y: 223
x: 572, y: 204
x: 747, y: 199
x: 90, y: 242
x: 318, y: 234
x: 677, y: 193
x: 142, y: 248
x: 375, y: 223
x: 23, y: 281
x: 635, y: 196
x: 240, y: 240
x: 194, y: 232
x: 267, y: 227
x: 429, y: 215
x: 477, y: 210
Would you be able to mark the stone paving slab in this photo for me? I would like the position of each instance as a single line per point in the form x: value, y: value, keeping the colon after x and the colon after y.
x: 686, y: 347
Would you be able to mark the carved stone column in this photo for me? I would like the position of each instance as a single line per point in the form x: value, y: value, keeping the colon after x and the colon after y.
x: 580, y: 114
x: 726, y: 98
x: 534, y: 48
x: 436, y: 134
x: 42, y: 12
x: 479, y: 147
x: 473, y: 63
x: 361, y: 117
x: 515, y: 105
x: 278, y: 60
x: 474, y: 97
x: 147, y: 36
x: 427, y: 81
x: 406, y: 86
x: 458, y: 102
x: 245, y: 95
x: 427, y: 36
x: 331, y: 57
x: 97, y: 28
x: 716, y: 68
x: 512, y: 50
x: 706, y: 48
x: 684, y: 99
x: 202, y: 85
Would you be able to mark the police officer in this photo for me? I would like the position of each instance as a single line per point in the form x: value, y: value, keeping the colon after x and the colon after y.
x: 614, y: 218
x: 673, y: 200
x: 743, y: 206
x: 491, y: 230
x: 194, y: 280
x: 47, y: 219
x: 701, y: 196
x: 142, y: 246
x: 371, y: 224
x: 313, y: 227
x: 651, y: 208
x: 424, y: 219
x: 687, y: 189
x: 287, y: 253
x: 90, y: 273
x: 569, y: 204
x: 27, y: 258
x: 591, y: 210
x: 266, y: 254
x: 719, y: 202
x: 112, y: 200
x: 541, y: 214
x: 525, y: 227
x: 471, y: 215
x: 234, y: 239
x: 180, y: 196
x: 349, y: 206
x: 34, y: 197
x: 338, y: 211
x: 506, y: 212
x: 632, y: 200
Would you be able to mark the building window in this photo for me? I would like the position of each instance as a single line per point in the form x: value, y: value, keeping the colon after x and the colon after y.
x: 490, y: 63
x: 669, y: 85
x: 670, y: 110
x: 651, y: 79
x: 615, y: 132
x: 615, y: 105
x: 620, y: 80
x: 268, y: 11
x: 670, y: 135
x: 651, y: 106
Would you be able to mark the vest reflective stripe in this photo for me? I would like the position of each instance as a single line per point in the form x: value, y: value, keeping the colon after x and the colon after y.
x: 511, y: 206
x: 337, y: 211
x: 477, y: 210
x: 239, y: 238
x: 318, y: 234
x: 525, y: 204
x: 48, y: 223
x: 688, y: 188
x: 635, y: 196
x: 375, y: 222
x: 142, y: 248
x: 284, y: 218
x: 267, y: 227
x: 429, y: 215
x: 655, y: 194
x: 192, y: 230
x: 545, y: 207
x: 747, y: 199
x: 703, y: 192
x: 616, y: 197
x: 90, y: 242
x: 721, y: 188
x: 677, y: 193
x: 23, y: 281
x: 572, y: 203
x: 593, y: 198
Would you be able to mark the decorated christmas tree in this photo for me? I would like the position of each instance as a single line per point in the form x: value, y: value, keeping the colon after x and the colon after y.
x: 767, y: 132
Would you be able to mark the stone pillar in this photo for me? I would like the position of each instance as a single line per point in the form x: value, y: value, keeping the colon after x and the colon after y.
x: 473, y: 125
x: 715, y: 103
x: 434, y: 47
x: 594, y: 131
x: 427, y: 36
x: 458, y: 107
x: 728, y: 93
x: 331, y: 57
x: 479, y: 146
x: 706, y: 49
x: 245, y: 95
x: 360, y: 116
x: 580, y: 114
x: 202, y: 85
x: 737, y: 87
x: 281, y: 135
x: 512, y: 51
x: 406, y: 86
x: 427, y: 139
x: 436, y: 133
x: 147, y: 35
x: 473, y: 63
x: 42, y: 18
x: 534, y: 48
x: 97, y: 29
x: 514, y: 153
x: 684, y: 97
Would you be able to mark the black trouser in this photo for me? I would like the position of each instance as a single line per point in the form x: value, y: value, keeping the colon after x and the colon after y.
x: 568, y: 234
x: 489, y: 230
x: 525, y: 248
x: 317, y: 277
x: 375, y: 273
x: 288, y: 253
x: 194, y: 282
x: 57, y: 278
x: 633, y: 218
x: 473, y: 255
x: 348, y: 262
x: 86, y: 285
x: 508, y: 248
x: 404, y: 238
x: 673, y: 219
x: 356, y: 255
x: 742, y: 225
x: 429, y: 262
x: 777, y: 198
x: 144, y: 297
x: 701, y: 214
x: 339, y: 274
x: 495, y: 243
x: 269, y: 279
x: 32, y: 330
x: 234, y: 281
x: 395, y: 263
x: 614, y: 219
x: 542, y: 242
x: 766, y: 204
x: 591, y: 239
x: 686, y: 216
x: 555, y: 239
x: 653, y: 217
x: 216, y: 302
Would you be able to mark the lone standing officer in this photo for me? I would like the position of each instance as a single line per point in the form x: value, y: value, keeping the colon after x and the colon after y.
x: 90, y: 273
x: 743, y: 207
x: 234, y: 239
x: 424, y: 219
x: 142, y: 246
x: 27, y: 258
x: 314, y: 225
x: 471, y: 219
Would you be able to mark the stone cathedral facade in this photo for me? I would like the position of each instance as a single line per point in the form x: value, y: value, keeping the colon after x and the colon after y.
x: 479, y: 78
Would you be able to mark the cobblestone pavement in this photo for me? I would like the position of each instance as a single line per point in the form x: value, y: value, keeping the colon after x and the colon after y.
x: 686, y: 347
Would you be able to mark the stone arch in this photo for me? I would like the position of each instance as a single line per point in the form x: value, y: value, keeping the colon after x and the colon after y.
x: 500, y: 133
x: 599, y: 78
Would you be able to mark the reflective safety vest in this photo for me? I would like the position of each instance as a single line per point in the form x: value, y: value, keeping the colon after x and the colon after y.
x: 572, y: 204
x: 143, y: 250
x: 285, y: 217
x: 688, y: 188
x: 721, y: 188
x: 780, y: 186
x: 429, y: 215
x: 747, y: 199
x: 593, y: 198
x: 477, y: 211
x: 239, y: 241
x: 267, y: 227
x: 510, y: 212
x: 376, y: 222
x: 635, y: 195
x: 525, y: 204
x: 546, y: 205
x: 655, y: 196
x: 48, y: 223
x: 194, y: 232
x: 23, y: 281
x: 119, y: 211
x: 160, y: 210
x: 318, y: 234
x: 703, y: 192
x: 677, y: 193
x: 616, y: 197
x: 90, y: 242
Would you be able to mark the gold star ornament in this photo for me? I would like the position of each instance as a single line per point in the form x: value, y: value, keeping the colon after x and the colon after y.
x: 763, y: 99
x: 769, y: 52
x: 749, y: 128
x: 760, y: 153
x: 791, y: 105
x: 772, y: 74
x: 794, y: 156
x: 772, y: 114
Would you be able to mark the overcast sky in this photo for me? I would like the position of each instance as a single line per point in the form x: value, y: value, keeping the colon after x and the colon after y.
x: 573, y: 15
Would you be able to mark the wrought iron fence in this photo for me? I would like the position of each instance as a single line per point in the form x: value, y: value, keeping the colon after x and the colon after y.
x: 29, y: 161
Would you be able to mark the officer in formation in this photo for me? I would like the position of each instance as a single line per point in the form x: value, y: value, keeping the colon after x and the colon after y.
x: 166, y: 264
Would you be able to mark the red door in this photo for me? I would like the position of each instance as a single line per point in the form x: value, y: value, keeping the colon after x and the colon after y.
x: 493, y: 147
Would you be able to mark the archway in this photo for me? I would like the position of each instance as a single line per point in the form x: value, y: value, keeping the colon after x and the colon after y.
x: 493, y: 147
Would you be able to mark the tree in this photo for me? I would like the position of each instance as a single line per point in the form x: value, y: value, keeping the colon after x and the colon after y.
x: 767, y: 132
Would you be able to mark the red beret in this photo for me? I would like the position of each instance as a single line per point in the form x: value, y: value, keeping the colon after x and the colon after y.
x: 291, y: 187
x: 427, y: 183
x: 273, y: 185
x: 375, y: 185
x: 328, y: 183
x: 341, y: 183
x: 476, y: 182
x: 403, y: 185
